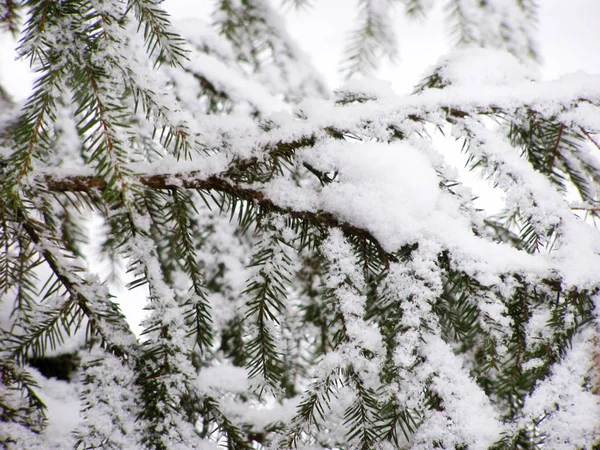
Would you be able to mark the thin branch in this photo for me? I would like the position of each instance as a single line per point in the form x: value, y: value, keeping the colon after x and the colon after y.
x: 555, y: 149
x: 583, y: 208
x: 589, y: 136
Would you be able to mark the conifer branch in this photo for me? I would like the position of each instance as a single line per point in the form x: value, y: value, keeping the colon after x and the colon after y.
x: 556, y: 145
x: 29, y: 409
x: 194, y: 180
x: 373, y: 38
x: 162, y: 42
x: 10, y: 16
x: 267, y: 294
x: 109, y: 324
x: 585, y: 208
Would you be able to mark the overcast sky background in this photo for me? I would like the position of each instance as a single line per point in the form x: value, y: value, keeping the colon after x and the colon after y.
x: 568, y: 30
x: 569, y: 41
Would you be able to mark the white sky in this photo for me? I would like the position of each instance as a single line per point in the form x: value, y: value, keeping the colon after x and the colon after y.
x: 569, y: 38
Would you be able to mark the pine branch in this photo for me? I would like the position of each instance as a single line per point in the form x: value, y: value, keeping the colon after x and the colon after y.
x: 162, y: 42
x: 19, y: 402
x: 198, y: 314
x: 299, y: 4
x: 515, y: 38
x: 512, y: 382
x: 18, y: 262
x: 392, y: 418
x: 457, y: 312
x: 255, y: 31
x: 423, y: 340
x: 164, y: 369
x: 360, y: 417
x: 267, y: 292
x: 591, y: 139
x: 109, y: 390
x: 10, y: 16
x: 373, y: 39
x: 235, y: 437
x: 194, y: 180
x: 102, y: 314
x: 311, y: 410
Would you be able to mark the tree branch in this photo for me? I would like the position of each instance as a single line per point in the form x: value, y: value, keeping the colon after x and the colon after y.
x: 73, y: 284
x: 192, y: 180
x: 555, y: 149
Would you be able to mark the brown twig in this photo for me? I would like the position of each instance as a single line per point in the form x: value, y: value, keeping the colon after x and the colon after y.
x: 581, y: 208
x: 555, y: 149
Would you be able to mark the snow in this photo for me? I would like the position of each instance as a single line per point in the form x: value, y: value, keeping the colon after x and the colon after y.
x: 585, y: 115
x: 226, y: 378
x: 62, y: 400
x: 262, y: 416
x: 569, y: 414
x: 468, y: 415
x: 389, y: 189
x: 477, y: 68
x: 236, y: 84
x: 392, y: 191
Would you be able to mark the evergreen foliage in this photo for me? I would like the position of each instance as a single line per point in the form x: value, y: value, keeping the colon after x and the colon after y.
x: 316, y: 278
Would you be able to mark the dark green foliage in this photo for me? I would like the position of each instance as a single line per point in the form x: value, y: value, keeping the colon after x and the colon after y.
x: 60, y: 367
x: 267, y: 292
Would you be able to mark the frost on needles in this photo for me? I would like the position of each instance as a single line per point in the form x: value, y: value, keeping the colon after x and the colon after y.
x: 316, y: 274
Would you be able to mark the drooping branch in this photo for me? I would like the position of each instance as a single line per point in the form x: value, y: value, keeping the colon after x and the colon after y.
x: 193, y: 180
x: 589, y: 136
x: 79, y: 289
